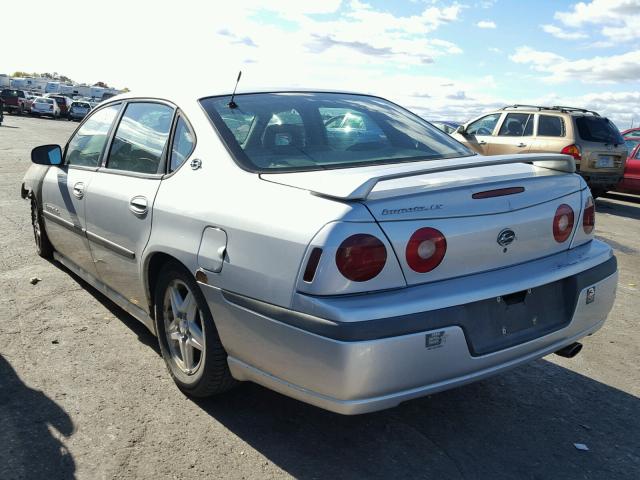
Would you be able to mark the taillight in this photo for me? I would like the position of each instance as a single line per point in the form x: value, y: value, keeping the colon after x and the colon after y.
x: 563, y: 223
x: 589, y: 216
x: 572, y: 150
x: 361, y: 257
x: 426, y: 249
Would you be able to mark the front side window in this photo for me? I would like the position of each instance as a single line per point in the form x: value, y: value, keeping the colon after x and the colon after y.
x: 85, y: 148
x: 550, y: 126
x: 183, y: 143
x: 484, y: 125
x: 141, y: 137
x: 517, y: 125
x: 291, y: 131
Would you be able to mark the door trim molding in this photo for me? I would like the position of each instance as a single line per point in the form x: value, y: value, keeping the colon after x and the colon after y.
x: 78, y: 230
x: 114, y: 247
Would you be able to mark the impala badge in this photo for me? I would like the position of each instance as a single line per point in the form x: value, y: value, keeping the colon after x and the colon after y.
x: 506, y: 237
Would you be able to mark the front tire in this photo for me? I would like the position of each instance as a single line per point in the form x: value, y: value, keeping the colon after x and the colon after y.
x: 187, y: 335
x: 43, y: 245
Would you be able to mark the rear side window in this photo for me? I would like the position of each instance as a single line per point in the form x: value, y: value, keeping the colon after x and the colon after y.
x: 517, y: 125
x: 550, y: 126
x: 598, y: 129
x: 484, y: 125
x: 183, y: 143
x: 141, y: 138
x: 85, y: 148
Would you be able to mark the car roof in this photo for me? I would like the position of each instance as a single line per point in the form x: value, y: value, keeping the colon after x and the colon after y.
x: 196, y: 94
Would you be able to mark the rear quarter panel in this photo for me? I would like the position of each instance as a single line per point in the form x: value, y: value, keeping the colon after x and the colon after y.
x: 268, y: 226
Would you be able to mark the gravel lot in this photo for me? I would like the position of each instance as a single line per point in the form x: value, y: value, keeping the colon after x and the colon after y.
x: 84, y: 392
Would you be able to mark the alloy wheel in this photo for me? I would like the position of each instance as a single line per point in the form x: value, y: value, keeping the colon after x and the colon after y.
x: 183, y: 322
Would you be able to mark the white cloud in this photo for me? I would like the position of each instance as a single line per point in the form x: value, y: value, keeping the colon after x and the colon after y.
x: 612, y: 69
x: 486, y: 24
x: 617, y: 19
x: 195, y: 40
x: 563, y: 34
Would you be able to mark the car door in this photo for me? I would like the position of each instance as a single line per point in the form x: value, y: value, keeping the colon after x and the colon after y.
x: 121, y: 196
x: 631, y: 179
x: 478, y: 134
x: 551, y: 134
x: 515, y: 134
x: 64, y: 188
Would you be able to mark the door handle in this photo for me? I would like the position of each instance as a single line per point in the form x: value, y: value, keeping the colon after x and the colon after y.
x: 138, y: 205
x: 78, y: 190
x: 482, y: 142
x: 521, y: 145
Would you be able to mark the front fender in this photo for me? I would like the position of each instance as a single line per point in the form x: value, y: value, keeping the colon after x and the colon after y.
x: 32, y: 182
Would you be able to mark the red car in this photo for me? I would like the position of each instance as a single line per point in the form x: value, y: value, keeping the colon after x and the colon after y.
x: 633, y: 133
x: 630, y: 183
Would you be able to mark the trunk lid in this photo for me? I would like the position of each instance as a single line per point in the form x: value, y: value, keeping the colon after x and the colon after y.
x: 471, y: 207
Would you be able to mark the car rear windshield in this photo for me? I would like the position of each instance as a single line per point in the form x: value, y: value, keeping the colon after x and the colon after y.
x: 271, y: 132
x: 598, y: 129
x: 80, y: 105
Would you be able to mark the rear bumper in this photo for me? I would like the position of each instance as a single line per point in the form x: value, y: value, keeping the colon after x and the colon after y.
x: 601, y: 179
x: 379, y: 359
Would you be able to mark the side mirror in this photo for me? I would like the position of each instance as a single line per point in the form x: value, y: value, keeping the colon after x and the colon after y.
x: 461, y: 130
x: 47, y: 155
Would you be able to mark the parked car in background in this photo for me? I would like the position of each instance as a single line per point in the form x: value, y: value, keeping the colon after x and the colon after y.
x: 630, y: 183
x: 64, y: 103
x: 262, y: 240
x: 78, y: 110
x: 631, y: 133
x: 45, y: 106
x: 446, y: 126
x: 15, y: 101
x: 593, y: 141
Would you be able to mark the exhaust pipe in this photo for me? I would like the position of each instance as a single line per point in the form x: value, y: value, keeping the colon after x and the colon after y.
x: 570, y: 351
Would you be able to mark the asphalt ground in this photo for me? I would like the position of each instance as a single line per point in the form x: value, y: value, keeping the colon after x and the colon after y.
x: 84, y: 392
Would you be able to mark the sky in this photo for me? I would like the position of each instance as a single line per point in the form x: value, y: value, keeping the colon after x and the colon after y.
x: 442, y: 59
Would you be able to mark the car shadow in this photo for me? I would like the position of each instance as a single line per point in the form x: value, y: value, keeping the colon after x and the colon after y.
x: 28, y: 447
x: 627, y: 209
x: 142, y: 333
x: 521, y: 424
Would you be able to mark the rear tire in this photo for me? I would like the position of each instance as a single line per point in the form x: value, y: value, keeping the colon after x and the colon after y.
x: 187, y: 335
x: 43, y: 245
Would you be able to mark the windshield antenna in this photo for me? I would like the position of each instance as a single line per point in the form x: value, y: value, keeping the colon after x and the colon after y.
x: 233, y: 104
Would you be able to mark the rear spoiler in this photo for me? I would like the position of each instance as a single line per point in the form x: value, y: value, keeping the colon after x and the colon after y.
x: 357, y: 183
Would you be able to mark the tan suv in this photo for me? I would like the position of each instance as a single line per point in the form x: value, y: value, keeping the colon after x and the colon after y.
x: 593, y: 141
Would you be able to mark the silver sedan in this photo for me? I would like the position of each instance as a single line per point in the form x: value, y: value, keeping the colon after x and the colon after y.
x: 333, y: 247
